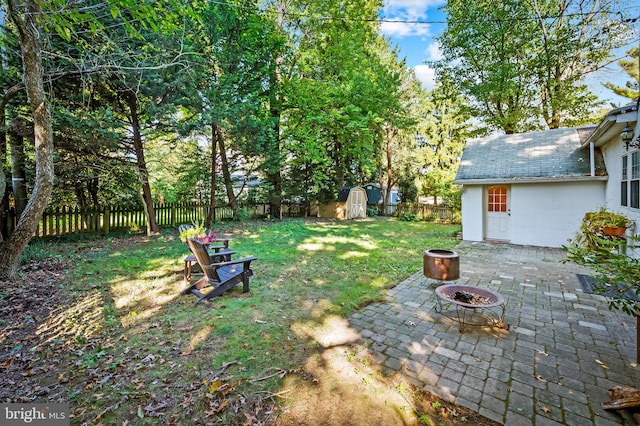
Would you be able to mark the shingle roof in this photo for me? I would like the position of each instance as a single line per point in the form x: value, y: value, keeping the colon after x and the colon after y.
x: 547, y: 155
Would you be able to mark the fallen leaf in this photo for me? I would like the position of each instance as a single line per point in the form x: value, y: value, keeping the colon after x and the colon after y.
x: 539, y: 377
x: 543, y: 353
x: 215, y: 386
x: 546, y: 410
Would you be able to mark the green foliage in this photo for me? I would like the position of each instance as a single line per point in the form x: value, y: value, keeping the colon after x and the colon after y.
x: 607, y: 256
x: 592, y: 229
x: 409, y: 217
x: 445, y: 129
x: 512, y: 55
x: 196, y: 231
x: 372, y: 211
x: 614, y: 270
x: 631, y: 90
x: 37, y: 251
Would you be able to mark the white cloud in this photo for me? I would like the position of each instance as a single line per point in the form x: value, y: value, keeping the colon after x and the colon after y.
x: 426, y: 75
x: 404, y: 29
x: 415, y: 4
x: 433, y: 51
x: 408, y: 11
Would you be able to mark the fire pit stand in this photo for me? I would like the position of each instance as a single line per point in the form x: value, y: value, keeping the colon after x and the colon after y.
x: 466, y: 297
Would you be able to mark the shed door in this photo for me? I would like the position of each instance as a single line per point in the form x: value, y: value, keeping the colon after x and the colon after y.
x: 357, y: 204
x: 498, y: 213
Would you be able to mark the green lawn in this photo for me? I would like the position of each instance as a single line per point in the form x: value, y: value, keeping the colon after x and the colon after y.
x: 132, y: 349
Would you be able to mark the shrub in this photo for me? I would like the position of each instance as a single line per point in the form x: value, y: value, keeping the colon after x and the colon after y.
x: 409, y: 217
x: 608, y: 257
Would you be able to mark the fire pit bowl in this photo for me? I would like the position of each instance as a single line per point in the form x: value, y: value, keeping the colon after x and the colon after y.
x: 469, y: 296
x: 441, y: 265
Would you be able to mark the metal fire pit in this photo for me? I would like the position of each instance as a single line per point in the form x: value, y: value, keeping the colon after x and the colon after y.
x: 466, y: 297
x: 441, y: 265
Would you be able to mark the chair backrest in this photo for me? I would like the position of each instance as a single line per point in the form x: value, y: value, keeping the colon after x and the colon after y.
x: 201, y: 253
x: 185, y: 226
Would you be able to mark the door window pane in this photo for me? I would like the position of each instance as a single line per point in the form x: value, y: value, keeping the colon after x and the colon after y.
x: 497, y: 199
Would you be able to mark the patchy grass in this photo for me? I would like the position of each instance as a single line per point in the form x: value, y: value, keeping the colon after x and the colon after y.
x: 102, y: 324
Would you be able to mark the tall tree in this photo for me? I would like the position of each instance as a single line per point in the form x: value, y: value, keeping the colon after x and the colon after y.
x: 232, y: 97
x: 34, y: 25
x: 333, y: 97
x: 525, y: 61
x: 445, y: 128
x: 631, y: 89
x: 29, y: 29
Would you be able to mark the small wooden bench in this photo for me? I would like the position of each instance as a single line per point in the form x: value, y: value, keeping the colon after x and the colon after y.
x: 218, y: 276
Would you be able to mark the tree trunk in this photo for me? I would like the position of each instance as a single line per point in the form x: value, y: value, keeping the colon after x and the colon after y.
x: 143, y: 173
x: 18, y: 175
x: 274, y: 169
x: 93, y: 186
x: 226, y: 175
x: 622, y: 397
x: 211, y: 217
x: 4, y: 200
x: 389, y: 133
x: 28, y: 32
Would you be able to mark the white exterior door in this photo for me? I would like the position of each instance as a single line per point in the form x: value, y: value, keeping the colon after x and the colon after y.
x: 498, y: 213
x: 356, y: 204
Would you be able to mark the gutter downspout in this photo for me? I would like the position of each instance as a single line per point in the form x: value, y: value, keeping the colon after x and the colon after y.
x: 592, y: 158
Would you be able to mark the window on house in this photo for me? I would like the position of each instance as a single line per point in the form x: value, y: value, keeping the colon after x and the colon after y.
x: 497, y: 199
x: 624, y: 183
x: 634, y: 184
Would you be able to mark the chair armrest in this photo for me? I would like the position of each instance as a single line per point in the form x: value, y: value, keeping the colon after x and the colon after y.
x: 224, y: 241
x: 233, y: 262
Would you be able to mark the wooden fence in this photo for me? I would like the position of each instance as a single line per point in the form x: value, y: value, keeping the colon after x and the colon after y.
x: 74, y: 220
x: 427, y: 212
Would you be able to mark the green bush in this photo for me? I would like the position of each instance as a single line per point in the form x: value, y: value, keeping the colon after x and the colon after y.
x: 608, y: 257
x: 409, y: 217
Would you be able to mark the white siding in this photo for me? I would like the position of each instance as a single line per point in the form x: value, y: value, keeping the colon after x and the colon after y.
x: 613, y: 152
x: 548, y: 214
x: 542, y: 214
x: 472, y: 213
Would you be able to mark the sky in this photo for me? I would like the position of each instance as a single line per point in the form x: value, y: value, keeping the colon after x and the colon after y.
x: 423, y: 21
x: 416, y: 40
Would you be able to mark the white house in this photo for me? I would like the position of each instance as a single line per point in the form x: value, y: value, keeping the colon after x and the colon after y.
x: 534, y: 188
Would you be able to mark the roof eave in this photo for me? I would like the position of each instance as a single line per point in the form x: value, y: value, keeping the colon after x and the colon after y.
x: 511, y: 181
x: 612, y: 123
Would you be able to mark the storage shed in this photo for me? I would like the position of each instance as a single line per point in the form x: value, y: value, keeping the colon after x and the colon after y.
x: 351, y: 204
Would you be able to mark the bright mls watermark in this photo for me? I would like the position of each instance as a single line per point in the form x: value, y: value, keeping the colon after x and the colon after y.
x: 34, y: 414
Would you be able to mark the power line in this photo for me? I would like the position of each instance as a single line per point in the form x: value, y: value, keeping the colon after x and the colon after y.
x: 383, y: 19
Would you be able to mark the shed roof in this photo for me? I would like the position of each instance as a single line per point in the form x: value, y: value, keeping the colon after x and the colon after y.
x: 550, y: 155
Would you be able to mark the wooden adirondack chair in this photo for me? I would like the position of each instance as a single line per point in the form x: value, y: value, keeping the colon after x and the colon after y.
x: 221, y: 253
x: 218, y: 276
